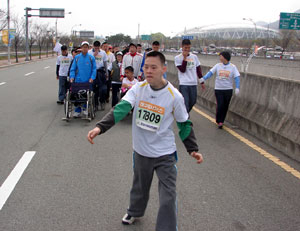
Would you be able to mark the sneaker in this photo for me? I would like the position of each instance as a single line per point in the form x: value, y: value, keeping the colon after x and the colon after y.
x: 220, y: 125
x: 127, y: 219
x: 76, y: 114
x: 85, y: 112
x: 60, y: 102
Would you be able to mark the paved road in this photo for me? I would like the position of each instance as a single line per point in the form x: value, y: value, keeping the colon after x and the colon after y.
x: 72, y: 185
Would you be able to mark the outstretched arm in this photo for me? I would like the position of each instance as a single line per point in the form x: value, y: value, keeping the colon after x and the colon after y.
x: 116, y: 114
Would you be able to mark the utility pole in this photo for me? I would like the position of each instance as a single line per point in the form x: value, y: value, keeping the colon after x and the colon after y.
x: 26, y: 33
x: 8, y: 31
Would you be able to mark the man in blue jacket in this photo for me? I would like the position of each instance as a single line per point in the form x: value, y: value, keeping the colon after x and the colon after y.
x: 83, y: 70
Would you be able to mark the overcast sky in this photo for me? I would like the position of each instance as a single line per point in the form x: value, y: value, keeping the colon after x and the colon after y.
x: 169, y: 17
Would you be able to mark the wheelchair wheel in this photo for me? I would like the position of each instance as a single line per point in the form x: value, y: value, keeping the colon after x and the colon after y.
x: 68, y: 105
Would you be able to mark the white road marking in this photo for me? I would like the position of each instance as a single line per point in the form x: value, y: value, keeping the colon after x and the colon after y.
x: 2, y: 83
x: 46, y: 67
x: 12, y: 180
x: 30, y: 73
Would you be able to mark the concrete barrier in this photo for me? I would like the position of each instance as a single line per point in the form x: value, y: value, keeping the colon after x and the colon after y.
x: 267, y: 107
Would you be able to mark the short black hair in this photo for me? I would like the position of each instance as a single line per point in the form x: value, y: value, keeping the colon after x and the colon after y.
x: 155, y: 43
x: 186, y: 42
x: 129, y: 68
x: 97, y: 44
x: 138, y: 45
x: 226, y: 55
x: 104, y: 43
x: 64, y: 48
x: 157, y: 54
x: 132, y: 44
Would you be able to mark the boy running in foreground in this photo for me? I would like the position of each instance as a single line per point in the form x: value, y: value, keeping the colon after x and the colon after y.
x: 156, y: 104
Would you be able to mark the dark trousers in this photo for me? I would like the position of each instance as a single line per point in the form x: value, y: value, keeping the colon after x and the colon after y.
x: 63, y: 86
x: 99, y: 87
x: 189, y: 94
x: 223, y: 98
x: 115, y: 90
x: 166, y: 171
x: 108, y: 85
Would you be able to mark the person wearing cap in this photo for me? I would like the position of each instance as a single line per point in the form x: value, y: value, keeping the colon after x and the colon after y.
x: 63, y: 64
x: 134, y: 59
x: 99, y: 85
x: 225, y: 73
x: 83, y: 70
x: 116, y: 81
x: 189, y: 70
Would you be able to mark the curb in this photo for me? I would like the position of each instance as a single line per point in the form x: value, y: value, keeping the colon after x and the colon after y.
x: 25, y: 62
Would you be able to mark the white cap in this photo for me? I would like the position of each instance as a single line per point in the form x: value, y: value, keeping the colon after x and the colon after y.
x: 119, y: 53
x: 85, y: 43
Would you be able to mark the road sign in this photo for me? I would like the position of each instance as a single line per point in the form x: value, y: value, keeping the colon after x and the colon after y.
x: 52, y: 13
x: 289, y: 21
x: 145, y: 37
x: 86, y: 34
x: 190, y: 37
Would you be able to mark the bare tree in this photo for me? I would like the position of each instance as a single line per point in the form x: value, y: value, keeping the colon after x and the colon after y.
x: 3, y: 19
x: 40, y: 35
x: 19, y: 25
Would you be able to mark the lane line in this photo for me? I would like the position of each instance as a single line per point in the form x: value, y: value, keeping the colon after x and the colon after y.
x: 47, y: 67
x: 12, y: 180
x: 30, y: 73
x: 261, y: 151
x: 2, y: 83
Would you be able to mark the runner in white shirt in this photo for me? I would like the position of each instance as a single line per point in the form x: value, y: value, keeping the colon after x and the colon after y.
x: 156, y: 105
x: 62, y: 70
x: 189, y: 71
x: 226, y: 72
x: 134, y: 59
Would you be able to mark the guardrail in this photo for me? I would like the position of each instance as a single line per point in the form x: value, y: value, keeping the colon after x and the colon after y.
x: 267, y: 107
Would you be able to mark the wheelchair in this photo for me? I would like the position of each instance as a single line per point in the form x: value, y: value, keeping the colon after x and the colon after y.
x: 79, y: 94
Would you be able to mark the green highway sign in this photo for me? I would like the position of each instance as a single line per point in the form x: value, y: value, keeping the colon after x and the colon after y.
x: 145, y: 37
x: 289, y: 21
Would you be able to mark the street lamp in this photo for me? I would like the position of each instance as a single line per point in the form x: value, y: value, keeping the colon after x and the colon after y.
x: 73, y: 27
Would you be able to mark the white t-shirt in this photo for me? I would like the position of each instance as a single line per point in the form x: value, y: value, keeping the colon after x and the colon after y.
x: 189, y: 77
x: 127, y: 81
x: 153, y: 116
x: 111, y: 58
x: 100, y: 58
x: 224, y: 75
x: 64, y: 63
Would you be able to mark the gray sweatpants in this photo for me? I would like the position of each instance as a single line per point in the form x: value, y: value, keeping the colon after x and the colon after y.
x: 166, y: 171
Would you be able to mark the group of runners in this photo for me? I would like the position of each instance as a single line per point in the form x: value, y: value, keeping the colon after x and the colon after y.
x: 156, y: 104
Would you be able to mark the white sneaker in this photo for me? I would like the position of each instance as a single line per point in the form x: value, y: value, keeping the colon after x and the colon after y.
x: 76, y: 114
x: 85, y: 112
x: 127, y: 219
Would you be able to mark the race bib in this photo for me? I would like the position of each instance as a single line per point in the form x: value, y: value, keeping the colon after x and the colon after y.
x: 223, y: 74
x: 149, y: 116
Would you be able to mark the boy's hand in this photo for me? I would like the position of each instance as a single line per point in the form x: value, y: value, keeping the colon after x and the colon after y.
x: 198, y: 157
x: 71, y: 80
x: 91, y: 80
x: 92, y: 134
x: 57, y: 77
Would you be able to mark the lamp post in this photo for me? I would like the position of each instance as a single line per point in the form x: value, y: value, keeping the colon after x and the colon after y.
x: 72, y: 29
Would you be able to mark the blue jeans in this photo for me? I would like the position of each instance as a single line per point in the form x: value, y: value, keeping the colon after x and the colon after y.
x: 62, y: 89
x: 189, y: 94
